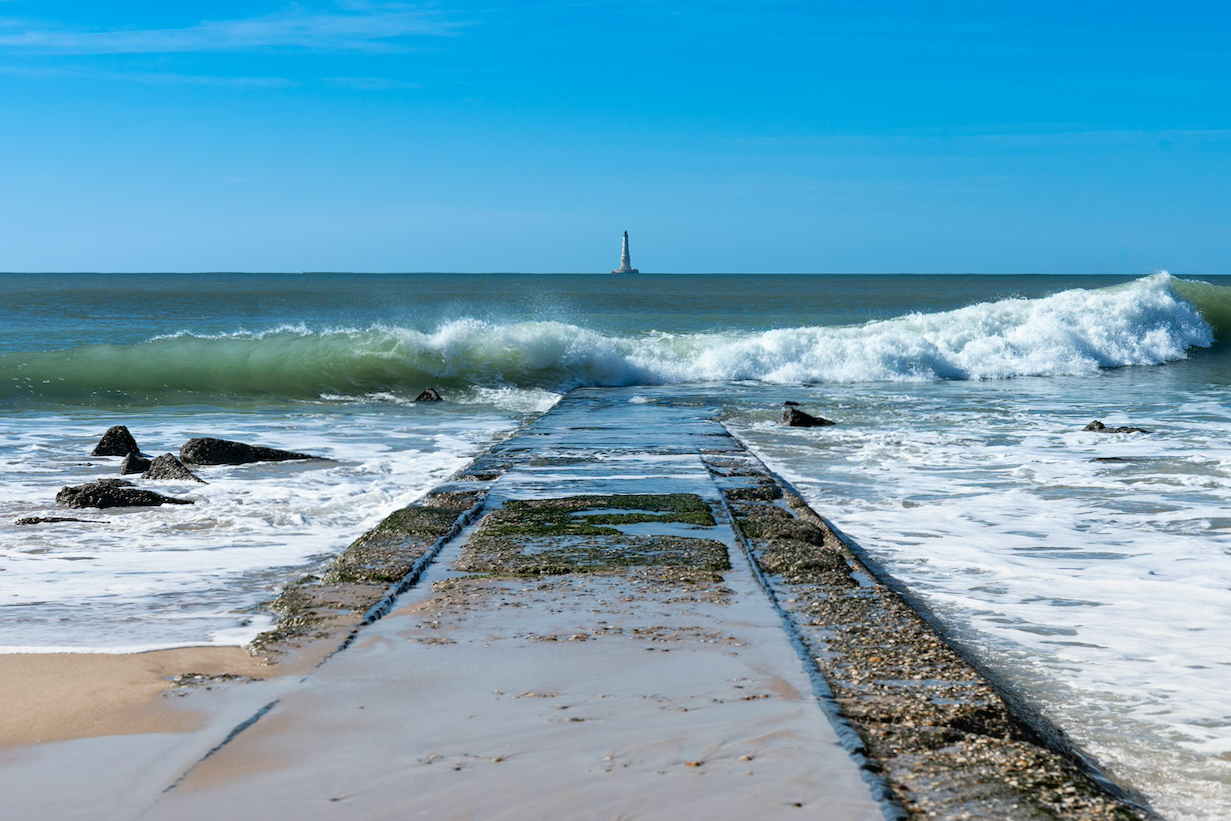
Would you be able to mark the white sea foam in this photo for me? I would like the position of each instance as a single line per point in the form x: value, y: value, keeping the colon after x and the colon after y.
x: 1102, y: 590
x: 178, y: 575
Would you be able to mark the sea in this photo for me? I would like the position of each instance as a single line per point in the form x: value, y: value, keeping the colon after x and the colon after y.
x: 1090, y: 571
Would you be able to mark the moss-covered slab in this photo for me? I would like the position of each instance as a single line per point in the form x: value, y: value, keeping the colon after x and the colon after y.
x: 593, y: 515
x: 387, y: 552
x: 579, y: 534
x: 537, y: 556
x: 752, y: 489
x: 328, y: 604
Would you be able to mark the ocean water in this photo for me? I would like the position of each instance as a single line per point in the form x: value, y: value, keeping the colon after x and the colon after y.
x: 1100, y: 588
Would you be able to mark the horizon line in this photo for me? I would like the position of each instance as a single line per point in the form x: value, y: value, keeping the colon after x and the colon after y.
x: 602, y: 273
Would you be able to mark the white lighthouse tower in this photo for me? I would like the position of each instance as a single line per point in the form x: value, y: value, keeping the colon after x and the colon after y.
x: 626, y: 265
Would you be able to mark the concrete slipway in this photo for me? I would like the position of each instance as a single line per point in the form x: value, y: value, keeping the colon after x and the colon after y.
x: 617, y: 613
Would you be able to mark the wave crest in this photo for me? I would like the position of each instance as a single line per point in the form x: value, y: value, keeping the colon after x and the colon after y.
x: 1146, y: 322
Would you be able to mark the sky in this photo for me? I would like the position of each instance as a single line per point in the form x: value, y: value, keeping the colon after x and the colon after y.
x: 1074, y: 137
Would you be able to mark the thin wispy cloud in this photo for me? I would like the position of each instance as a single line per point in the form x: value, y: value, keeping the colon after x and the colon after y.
x: 344, y: 27
x: 147, y: 78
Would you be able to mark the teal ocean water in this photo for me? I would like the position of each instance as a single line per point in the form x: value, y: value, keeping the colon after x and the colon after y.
x: 1101, y: 588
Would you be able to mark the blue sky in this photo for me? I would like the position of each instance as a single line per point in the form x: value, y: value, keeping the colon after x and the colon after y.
x: 1055, y: 137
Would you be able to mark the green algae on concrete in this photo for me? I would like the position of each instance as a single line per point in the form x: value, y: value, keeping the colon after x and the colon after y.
x: 536, y: 537
x: 529, y: 556
x: 332, y: 602
x: 387, y: 552
x: 586, y: 515
x: 300, y: 615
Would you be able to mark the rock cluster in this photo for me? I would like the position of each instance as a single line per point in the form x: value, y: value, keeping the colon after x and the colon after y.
x: 118, y: 441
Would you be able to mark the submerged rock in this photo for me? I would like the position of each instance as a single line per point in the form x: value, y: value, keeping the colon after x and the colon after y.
x: 169, y: 468
x: 114, y: 493
x: 207, y: 451
x: 429, y: 395
x: 134, y: 463
x: 117, y: 441
x: 1099, y: 427
x: 795, y: 418
x: 39, y: 520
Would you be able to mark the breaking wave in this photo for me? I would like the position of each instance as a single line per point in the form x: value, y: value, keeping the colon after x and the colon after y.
x: 1150, y: 321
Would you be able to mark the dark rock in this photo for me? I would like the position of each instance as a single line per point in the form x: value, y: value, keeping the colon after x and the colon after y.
x: 134, y: 463
x: 1099, y: 427
x: 208, y: 451
x: 117, y: 441
x: 114, y: 493
x: 38, y: 520
x: 795, y: 418
x: 170, y: 468
x: 429, y: 395
x: 789, y: 404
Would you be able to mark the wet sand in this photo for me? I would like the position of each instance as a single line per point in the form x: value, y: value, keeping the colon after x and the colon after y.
x: 58, y: 696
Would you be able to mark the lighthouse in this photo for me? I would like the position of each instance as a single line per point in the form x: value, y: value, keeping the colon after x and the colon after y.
x: 626, y: 265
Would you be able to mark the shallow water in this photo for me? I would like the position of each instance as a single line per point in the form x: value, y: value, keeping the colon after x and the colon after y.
x: 142, y: 578
x: 1100, y: 589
